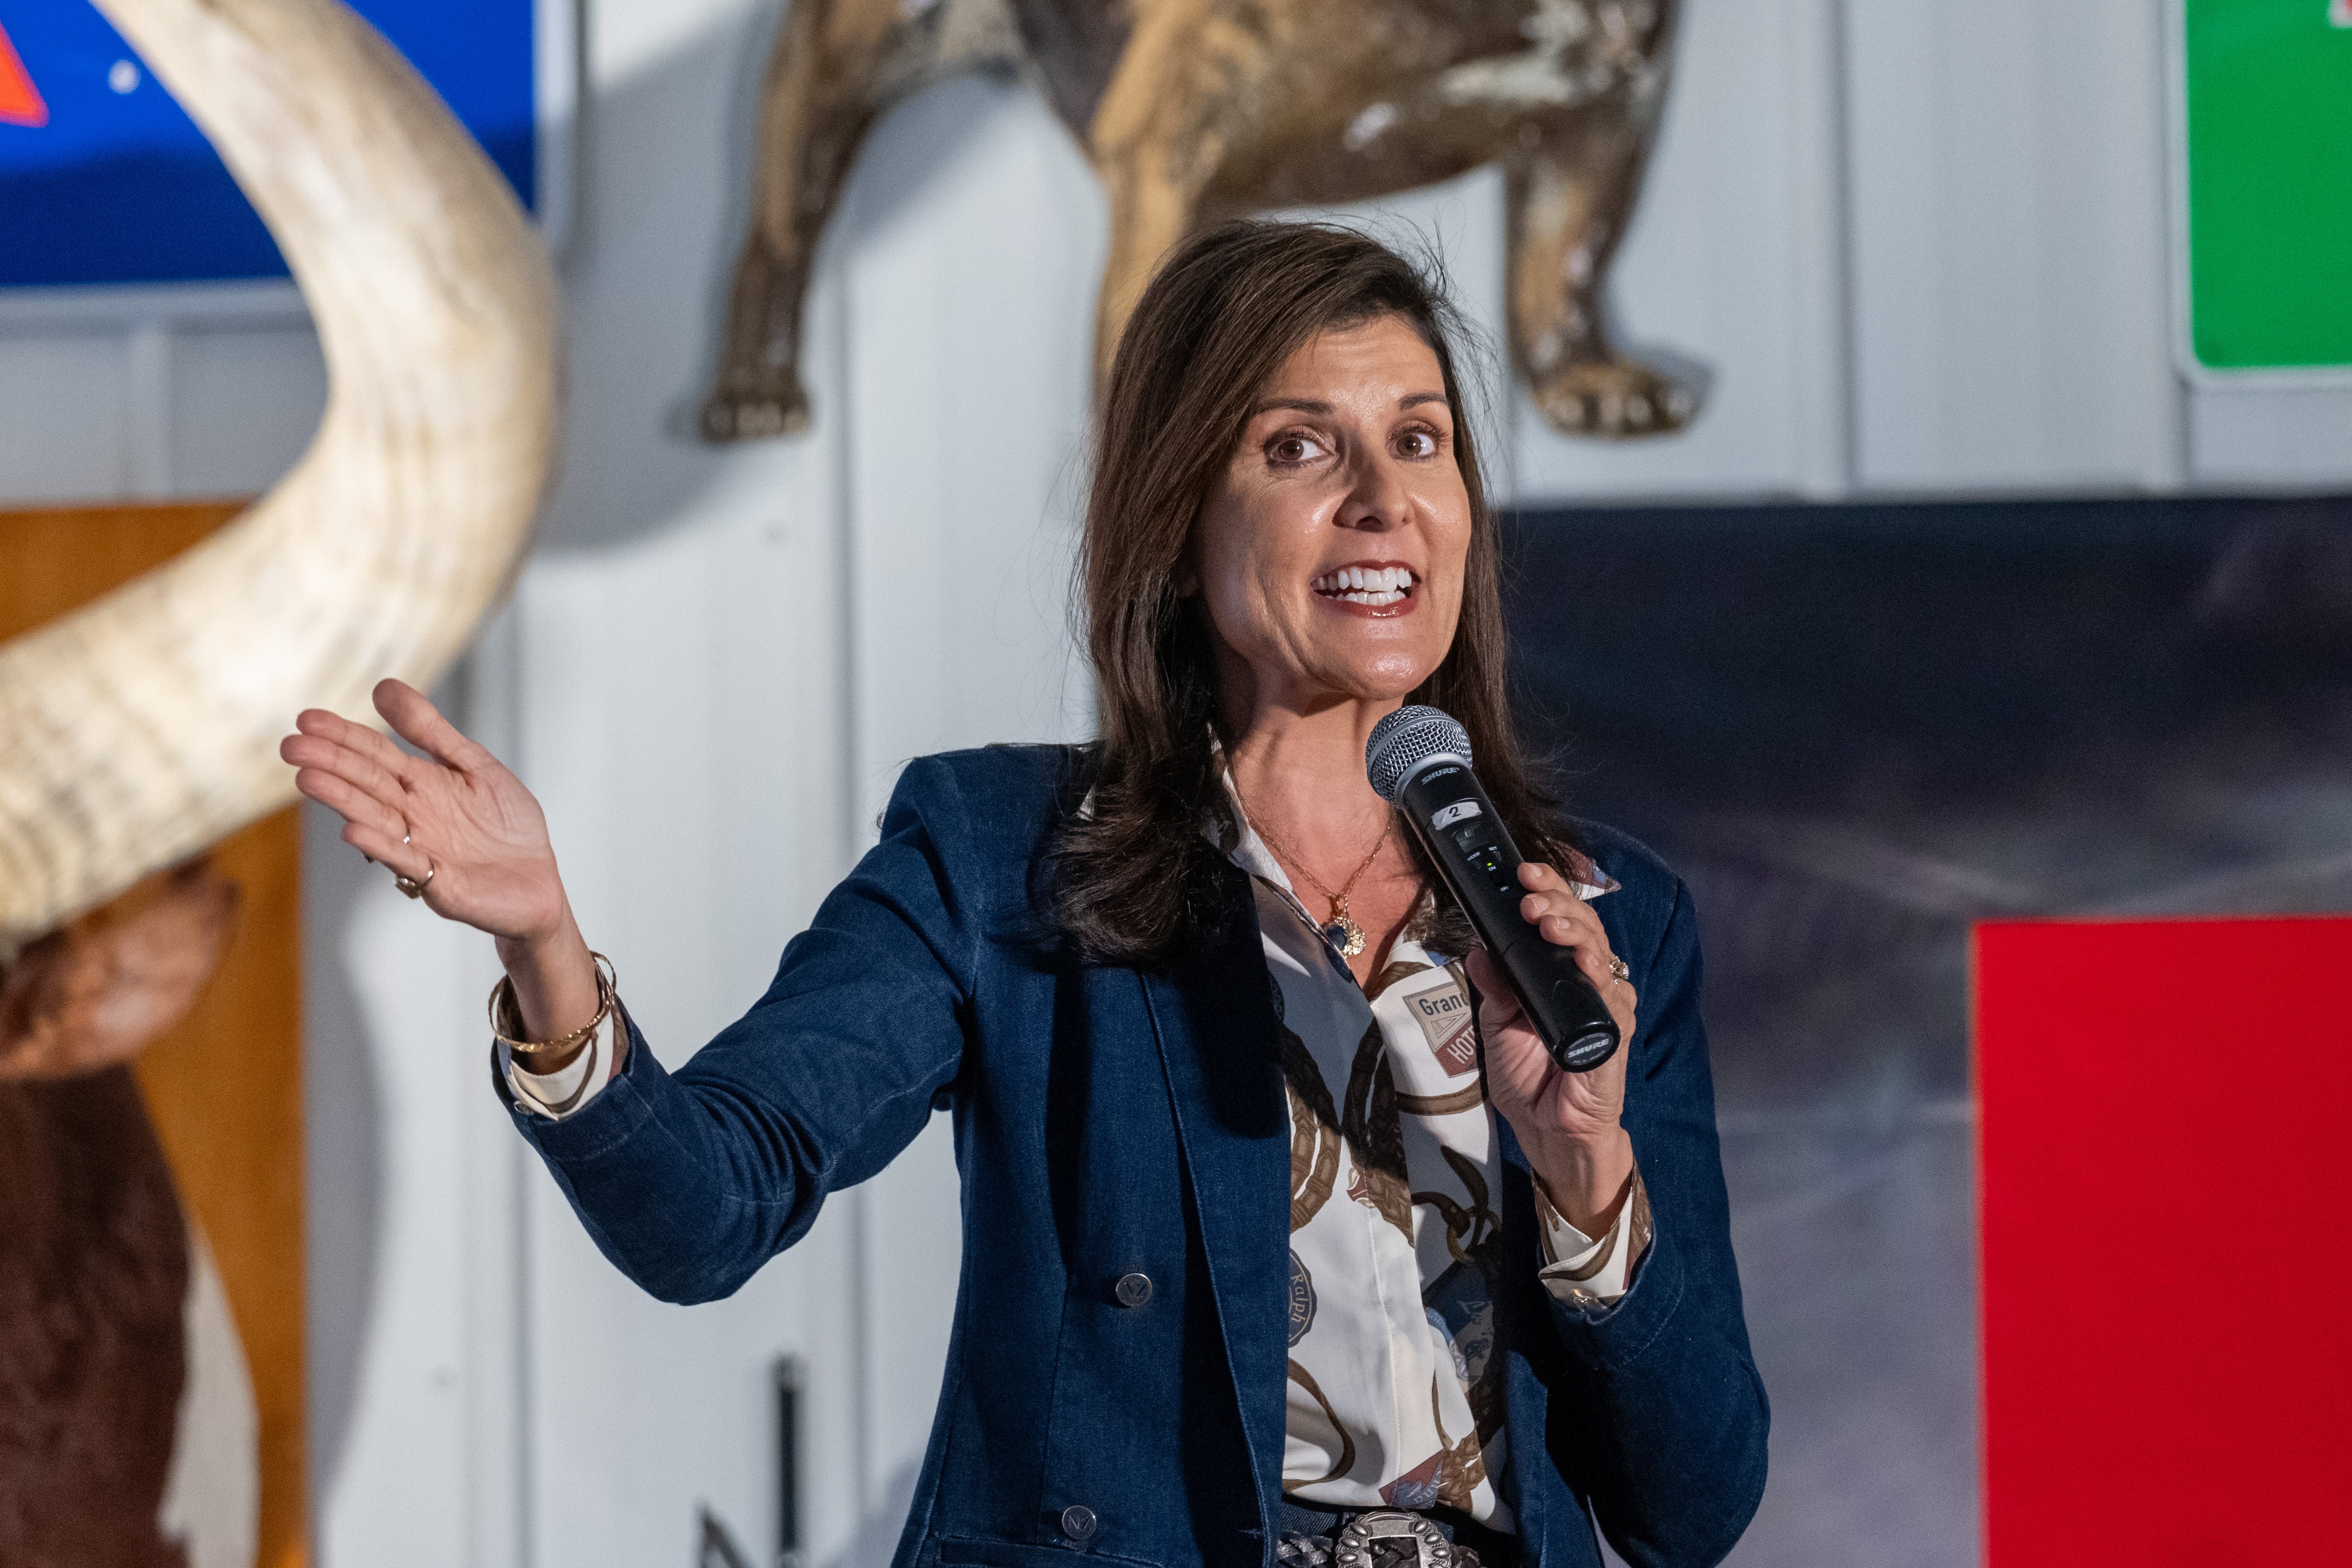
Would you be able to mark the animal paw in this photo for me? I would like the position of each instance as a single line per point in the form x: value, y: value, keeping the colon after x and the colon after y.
x: 1615, y: 400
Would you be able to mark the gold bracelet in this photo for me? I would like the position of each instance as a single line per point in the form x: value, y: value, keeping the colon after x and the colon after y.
x: 505, y: 1015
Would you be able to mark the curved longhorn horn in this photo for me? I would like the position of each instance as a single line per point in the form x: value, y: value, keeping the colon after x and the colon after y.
x: 143, y: 726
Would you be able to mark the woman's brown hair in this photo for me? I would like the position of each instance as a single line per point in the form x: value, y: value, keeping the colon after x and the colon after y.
x: 1134, y: 878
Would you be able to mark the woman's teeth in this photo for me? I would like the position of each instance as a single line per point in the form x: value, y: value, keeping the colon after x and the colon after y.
x: 1362, y: 585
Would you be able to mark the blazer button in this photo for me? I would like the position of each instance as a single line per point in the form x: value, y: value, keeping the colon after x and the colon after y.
x: 1133, y: 1289
x: 1078, y: 1521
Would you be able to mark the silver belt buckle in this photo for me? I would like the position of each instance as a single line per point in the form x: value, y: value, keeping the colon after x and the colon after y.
x: 1354, y: 1548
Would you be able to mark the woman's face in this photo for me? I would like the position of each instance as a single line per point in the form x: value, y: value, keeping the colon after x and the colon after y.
x: 1330, y: 552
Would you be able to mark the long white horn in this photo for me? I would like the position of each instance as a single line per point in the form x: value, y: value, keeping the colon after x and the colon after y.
x: 144, y: 726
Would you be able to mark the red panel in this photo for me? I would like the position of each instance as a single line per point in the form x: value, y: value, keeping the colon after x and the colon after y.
x: 20, y: 101
x: 2165, y: 1170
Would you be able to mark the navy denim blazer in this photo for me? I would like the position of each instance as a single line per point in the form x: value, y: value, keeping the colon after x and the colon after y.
x: 1111, y: 1121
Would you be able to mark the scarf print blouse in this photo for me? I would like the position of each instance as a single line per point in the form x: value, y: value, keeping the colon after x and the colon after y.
x: 1394, y: 1397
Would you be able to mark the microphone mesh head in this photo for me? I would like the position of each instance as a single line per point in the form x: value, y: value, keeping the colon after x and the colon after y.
x: 1403, y: 739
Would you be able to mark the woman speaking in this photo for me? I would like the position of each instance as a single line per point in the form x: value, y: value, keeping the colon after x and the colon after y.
x: 1285, y: 1241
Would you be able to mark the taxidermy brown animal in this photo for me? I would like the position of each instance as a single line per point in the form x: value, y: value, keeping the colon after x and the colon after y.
x: 94, y: 1255
x: 1194, y: 111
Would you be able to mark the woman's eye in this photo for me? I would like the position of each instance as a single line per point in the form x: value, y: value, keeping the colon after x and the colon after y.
x: 1294, y: 448
x: 1417, y: 443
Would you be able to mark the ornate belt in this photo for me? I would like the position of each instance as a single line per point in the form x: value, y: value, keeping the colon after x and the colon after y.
x: 1378, y: 1538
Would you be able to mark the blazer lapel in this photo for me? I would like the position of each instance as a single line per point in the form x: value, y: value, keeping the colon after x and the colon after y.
x: 1213, y: 1016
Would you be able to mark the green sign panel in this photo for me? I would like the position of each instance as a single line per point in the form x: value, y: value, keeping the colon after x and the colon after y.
x: 2269, y: 121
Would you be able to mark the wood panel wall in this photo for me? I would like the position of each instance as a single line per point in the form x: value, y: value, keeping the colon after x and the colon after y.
x: 225, y: 1088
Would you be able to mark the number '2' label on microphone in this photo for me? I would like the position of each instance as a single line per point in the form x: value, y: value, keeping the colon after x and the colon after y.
x: 1460, y: 811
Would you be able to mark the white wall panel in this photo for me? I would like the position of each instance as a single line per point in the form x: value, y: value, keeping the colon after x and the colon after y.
x: 2011, y: 287
x: 244, y: 405
x: 1733, y: 262
x: 151, y: 396
x: 661, y: 713
x: 682, y: 725
x: 2270, y: 438
x: 65, y: 411
x: 974, y: 235
x: 683, y: 679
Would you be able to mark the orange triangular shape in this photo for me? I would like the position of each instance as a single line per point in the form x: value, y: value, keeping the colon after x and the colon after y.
x: 20, y: 101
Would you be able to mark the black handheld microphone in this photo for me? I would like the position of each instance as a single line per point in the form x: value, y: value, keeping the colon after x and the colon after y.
x: 1419, y: 760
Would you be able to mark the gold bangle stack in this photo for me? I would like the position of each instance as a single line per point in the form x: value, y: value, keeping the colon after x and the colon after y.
x: 506, y: 1019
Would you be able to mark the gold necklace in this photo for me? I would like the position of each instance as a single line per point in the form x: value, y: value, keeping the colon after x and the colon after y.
x: 1347, y: 937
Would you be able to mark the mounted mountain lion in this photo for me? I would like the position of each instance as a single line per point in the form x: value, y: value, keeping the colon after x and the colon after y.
x: 1194, y: 111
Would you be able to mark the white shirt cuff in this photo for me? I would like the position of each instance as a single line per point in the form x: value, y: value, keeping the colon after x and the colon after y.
x: 1582, y: 1271
x: 563, y: 1092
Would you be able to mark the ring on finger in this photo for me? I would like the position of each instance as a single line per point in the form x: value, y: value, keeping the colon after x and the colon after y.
x: 1619, y: 970
x: 412, y: 886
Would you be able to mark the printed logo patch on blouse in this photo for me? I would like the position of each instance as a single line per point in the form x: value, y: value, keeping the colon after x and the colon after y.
x: 1302, y: 1299
x: 1417, y: 1488
x: 1444, y: 1014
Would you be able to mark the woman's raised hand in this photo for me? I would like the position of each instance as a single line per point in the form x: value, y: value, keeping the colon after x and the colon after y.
x: 453, y: 819
x: 1567, y: 1122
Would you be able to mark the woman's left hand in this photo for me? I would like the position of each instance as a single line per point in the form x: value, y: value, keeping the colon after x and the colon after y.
x: 1569, y: 1123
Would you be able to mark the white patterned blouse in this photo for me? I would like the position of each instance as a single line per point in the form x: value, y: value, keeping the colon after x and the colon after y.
x: 1395, y: 1392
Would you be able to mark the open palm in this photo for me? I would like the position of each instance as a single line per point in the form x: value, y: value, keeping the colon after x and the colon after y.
x: 453, y: 819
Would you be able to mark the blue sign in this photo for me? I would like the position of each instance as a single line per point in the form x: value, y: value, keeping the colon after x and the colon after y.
x: 104, y: 180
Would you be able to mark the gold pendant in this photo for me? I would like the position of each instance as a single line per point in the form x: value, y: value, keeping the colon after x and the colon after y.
x: 1347, y: 937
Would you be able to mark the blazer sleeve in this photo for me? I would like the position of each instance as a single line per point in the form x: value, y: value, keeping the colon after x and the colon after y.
x: 688, y: 1181
x: 1668, y: 1422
